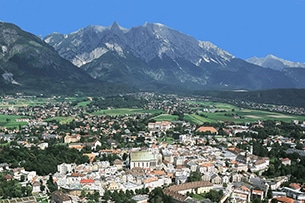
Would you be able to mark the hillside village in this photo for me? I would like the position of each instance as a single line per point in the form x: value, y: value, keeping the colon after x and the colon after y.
x: 136, y: 155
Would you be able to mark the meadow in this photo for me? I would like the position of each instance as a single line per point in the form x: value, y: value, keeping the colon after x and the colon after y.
x: 9, y: 121
x: 221, y: 112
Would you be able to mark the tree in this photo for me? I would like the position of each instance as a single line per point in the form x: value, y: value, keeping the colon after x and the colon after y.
x: 214, y: 195
x: 125, y: 156
x: 256, y: 200
x: 157, y: 196
x: 194, y: 176
x: 51, y: 185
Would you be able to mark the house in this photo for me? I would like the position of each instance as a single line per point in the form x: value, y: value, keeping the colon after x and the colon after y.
x: 215, y: 179
x: 85, y: 182
x: 206, y: 177
x: 260, y: 164
x: 206, y: 167
x: 242, y: 193
x: 73, y: 138
x: 258, y: 194
x: 275, y: 183
x: 118, y: 163
x: 286, y: 161
x: 159, y: 126
x: 94, y: 145
x: 295, y: 186
x: 36, y: 187
x: 236, y: 177
x: 153, y: 182
x: 225, y: 179
x: 113, y: 186
x: 284, y: 199
x: 60, y: 197
x: 65, y: 168
x: 43, y: 145
x: 3, y: 166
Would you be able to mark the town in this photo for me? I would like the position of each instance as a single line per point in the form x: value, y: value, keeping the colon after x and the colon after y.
x: 159, y: 148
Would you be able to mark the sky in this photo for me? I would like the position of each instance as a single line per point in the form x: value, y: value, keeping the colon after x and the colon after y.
x: 244, y: 28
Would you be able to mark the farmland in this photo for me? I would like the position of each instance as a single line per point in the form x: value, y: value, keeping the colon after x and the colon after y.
x: 9, y: 121
x: 196, y: 112
x: 221, y: 112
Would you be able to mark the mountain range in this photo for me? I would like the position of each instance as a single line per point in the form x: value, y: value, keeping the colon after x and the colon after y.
x: 150, y: 57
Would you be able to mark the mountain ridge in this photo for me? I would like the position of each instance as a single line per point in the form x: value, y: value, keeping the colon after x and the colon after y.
x: 156, y: 53
x: 274, y: 62
x: 28, y: 64
x: 151, y: 57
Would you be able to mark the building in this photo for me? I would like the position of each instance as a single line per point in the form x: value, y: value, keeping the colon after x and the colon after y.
x: 204, y: 129
x: 143, y: 159
x: 73, y: 138
x: 286, y: 161
x: 141, y: 198
x: 178, y: 192
x: 159, y: 126
x: 197, y: 187
x: 60, y: 197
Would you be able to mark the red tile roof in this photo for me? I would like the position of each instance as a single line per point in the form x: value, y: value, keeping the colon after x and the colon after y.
x: 85, y: 181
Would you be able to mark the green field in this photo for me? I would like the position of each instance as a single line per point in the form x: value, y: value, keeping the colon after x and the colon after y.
x: 240, y: 116
x: 83, y: 103
x: 9, y: 121
x: 125, y: 111
x: 165, y: 117
x: 233, y: 114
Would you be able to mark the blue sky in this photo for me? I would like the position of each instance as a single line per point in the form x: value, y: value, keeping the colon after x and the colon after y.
x: 245, y: 28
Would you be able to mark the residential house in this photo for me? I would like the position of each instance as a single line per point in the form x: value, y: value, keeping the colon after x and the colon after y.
x: 3, y: 166
x: 225, y: 179
x: 215, y: 179
x: 73, y: 138
x: 242, y: 193
x: 159, y: 126
x: 206, y: 177
x: 65, y: 168
x: 275, y: 183
x: 286, y: 161
x: 258, y: 194
x: 118, y: 163
x: 36, y: 187
x: 236, y: 177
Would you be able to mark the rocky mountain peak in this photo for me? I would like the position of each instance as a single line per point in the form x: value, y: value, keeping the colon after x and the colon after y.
x: 274, y: 62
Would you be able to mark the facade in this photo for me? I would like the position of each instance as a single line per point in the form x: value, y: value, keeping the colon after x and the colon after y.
x: 143, y: 159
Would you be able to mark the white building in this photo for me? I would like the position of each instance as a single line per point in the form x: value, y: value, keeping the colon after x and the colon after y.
x: 143, y: 159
